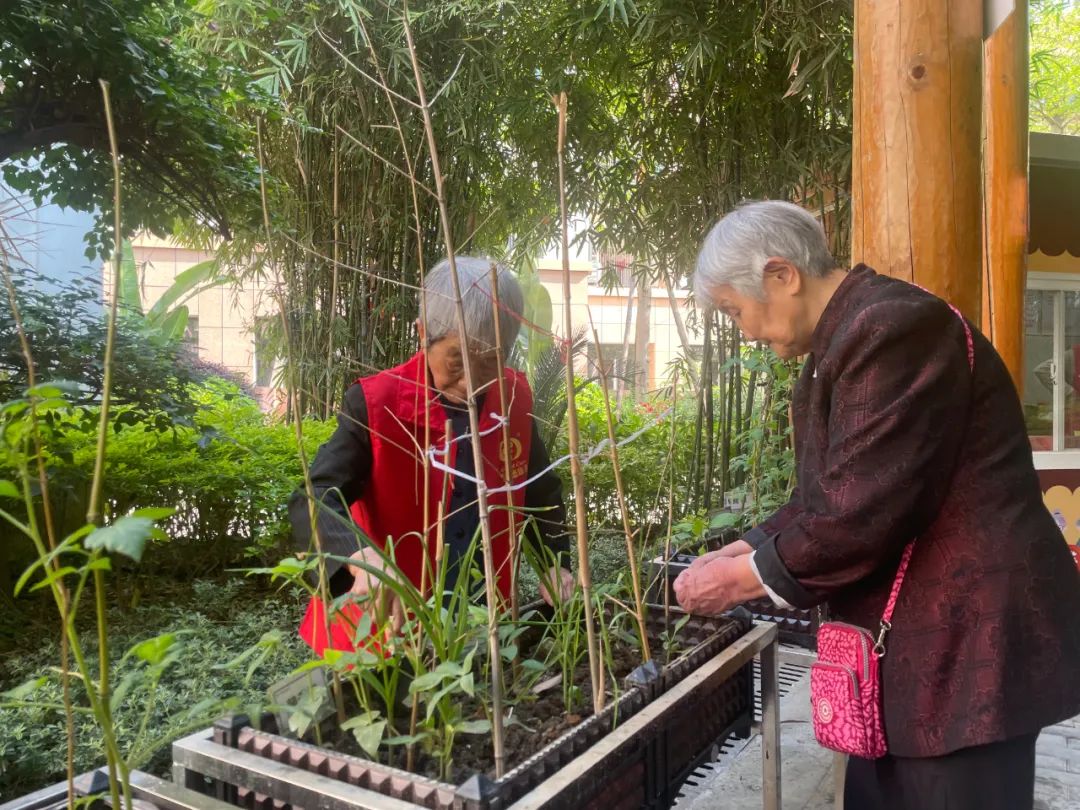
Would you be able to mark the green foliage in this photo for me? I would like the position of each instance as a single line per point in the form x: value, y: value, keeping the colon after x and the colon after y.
x: 643, y: 461
x: 168, y: 317
x: 678, y: 110
x: 185, y: 153
x: 65, y: 329
x: 177, y: 635
x: 228, y: 477
x: 765, y: 463
x: 1055, y: 66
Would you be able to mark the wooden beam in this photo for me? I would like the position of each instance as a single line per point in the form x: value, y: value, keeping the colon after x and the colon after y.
x: 916, y: 174
x: 1005, y: 188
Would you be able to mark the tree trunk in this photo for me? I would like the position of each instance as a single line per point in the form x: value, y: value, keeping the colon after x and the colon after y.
x: 680, y: 325
x: 641, y: 336
x: 916, y: 197
x: 1006, y: 188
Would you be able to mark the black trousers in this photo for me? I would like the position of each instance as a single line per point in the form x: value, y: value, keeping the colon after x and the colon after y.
x: 998, y: 776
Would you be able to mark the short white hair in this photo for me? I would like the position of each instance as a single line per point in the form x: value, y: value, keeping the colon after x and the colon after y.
x: 738, y: 246
x: 477, y: 298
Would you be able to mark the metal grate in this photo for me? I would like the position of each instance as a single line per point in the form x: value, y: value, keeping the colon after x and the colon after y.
x: 727, y: 750
x: 789, y: 675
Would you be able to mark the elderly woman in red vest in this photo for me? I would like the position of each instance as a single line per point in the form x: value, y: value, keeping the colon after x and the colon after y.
x: 371, y: 471
x: 898, y: 438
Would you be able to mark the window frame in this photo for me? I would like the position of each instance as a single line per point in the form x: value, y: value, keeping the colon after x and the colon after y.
x: 1058, y: 458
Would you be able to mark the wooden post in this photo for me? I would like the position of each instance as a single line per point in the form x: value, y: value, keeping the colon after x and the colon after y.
x: 1005, y: 189
x: 916, y: 175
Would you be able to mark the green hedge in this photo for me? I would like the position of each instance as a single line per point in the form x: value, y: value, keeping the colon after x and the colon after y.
x: 229, y: 479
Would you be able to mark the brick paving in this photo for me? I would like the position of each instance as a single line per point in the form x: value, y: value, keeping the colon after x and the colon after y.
x: 1057, y: 767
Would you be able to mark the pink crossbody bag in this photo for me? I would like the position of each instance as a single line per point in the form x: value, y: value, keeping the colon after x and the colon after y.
x: 845, y: 682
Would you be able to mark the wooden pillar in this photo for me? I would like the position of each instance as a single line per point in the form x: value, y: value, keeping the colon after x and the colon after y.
x: 1005, y: 206
x: 916, y: 173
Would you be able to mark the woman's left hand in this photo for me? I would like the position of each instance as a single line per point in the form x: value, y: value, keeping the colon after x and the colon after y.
x: 563, y: 581
x: 719, y: 585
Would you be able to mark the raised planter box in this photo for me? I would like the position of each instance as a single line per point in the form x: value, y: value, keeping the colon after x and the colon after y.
x: 633, y: 755
x: 150, y: 791
x: 797, y: 626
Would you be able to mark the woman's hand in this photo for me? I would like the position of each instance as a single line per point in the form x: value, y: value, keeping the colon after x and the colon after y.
x: 736, y: 549
x: 368, y: 587
x: 565, y: 582
x: 718, y: 585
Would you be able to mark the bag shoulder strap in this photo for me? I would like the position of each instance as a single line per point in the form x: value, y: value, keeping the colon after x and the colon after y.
x: 905, y: 559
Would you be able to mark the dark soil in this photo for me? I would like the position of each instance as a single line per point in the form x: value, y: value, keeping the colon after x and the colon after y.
x: 534, y: 723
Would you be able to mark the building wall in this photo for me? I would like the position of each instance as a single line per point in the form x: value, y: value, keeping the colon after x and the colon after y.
x: 225, y: 315
x: 608, y: 309
x: 47, y: 238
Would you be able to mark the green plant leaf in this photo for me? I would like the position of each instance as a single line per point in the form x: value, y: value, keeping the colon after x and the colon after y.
x: 126, y: 536
x: 9, y: 490
x: 154, y: 650
x: 185, y: 285
x: 407, y: 739
x: 368, y: 729
x: 130, y: 297
x: 473, y: 727
x: 173, y: 325
x: 24, y: 690
x: 154, y: 512
x: 724, y: 520
x: 427, y: 681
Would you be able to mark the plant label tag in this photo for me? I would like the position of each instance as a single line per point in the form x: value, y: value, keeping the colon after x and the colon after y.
x: 306, y: 693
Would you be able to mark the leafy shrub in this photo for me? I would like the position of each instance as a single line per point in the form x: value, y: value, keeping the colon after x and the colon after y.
x: 643, y: 461
x: 65, y: 328
x: 228, y: 476
x: 214, y: 621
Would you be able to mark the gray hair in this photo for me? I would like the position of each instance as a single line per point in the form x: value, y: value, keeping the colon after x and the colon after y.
x: 738, y: 246
x: 477, y: 298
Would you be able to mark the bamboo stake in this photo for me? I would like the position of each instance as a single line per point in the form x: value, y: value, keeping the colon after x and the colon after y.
x: 93, y: 513
x: 621, y: 383
x: 631, y: 553
x: 474, y: 421
x: 515, y: 542
x: 670, y: 504
x: 323, y: 587
x: 584, y: 575
x: 336, y: 248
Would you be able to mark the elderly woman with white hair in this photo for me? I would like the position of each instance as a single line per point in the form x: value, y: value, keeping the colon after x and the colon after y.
x: 901, y: 436
x: 368, y: 479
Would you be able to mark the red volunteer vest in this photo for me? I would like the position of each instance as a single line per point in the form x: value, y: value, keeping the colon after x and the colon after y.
x: 401, y: 408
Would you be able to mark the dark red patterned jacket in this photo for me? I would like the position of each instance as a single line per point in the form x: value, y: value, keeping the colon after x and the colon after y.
x: 896, y: 438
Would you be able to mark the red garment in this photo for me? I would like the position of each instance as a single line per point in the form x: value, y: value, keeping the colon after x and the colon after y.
x: 391, y: 510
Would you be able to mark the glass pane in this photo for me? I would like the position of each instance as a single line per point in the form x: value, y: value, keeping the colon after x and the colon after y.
x: 1069, y: 367
x: 1038, y: 381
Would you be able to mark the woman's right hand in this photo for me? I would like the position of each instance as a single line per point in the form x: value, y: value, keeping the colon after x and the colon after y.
x: 736, y: 549
x: 367, y: 585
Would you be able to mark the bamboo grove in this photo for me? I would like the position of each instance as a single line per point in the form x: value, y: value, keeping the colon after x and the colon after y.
x: 392, y: 136
x: 740, y: 100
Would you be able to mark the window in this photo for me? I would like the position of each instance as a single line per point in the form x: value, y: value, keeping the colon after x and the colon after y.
x: 1052, y: 361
